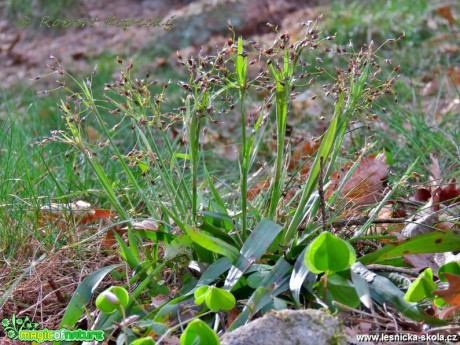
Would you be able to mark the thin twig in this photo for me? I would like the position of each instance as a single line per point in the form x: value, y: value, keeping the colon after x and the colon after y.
x: 358, y: 311
x: 362, y: 220
x: 386, y: 268
x: 321, y: 194
x: 41, y: 300
x: 58, y: 293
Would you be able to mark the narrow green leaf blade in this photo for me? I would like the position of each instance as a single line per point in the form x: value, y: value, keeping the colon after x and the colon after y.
x: 212, y: 244
x: 214, y: 271
x: 362, y: 289
x: 252, y: 250
x: 274, y: 284
x: 385, y: 292
x: 433, y: 242
x: 300, y: 273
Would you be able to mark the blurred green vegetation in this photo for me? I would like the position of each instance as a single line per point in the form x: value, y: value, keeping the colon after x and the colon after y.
x: 41, y: 174
x: 37, y: 9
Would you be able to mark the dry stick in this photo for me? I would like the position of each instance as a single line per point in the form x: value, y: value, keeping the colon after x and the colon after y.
x: 386, y: 268
x: 448, y: 328
x: 58, y: 293
x: 321, y: 194
x: 358, y: 311
x: 35, y: 305
x: 362, y: 220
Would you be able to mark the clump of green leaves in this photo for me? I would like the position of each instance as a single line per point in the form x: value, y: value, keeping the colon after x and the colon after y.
x: 209, y: 223
x: 424, y: 287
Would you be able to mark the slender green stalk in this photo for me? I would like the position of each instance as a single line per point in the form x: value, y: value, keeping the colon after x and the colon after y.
x: 329, y: 147
x: 241, y: 68
x: 244, y: 168
x: 95, y: 164
x: 194, y: 134
x: 283, y: 80
x: 281, y: 116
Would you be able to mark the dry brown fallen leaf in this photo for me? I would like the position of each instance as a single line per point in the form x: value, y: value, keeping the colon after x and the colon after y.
x: 422, y: 225
x: 446, y: 13
x: 452, y: 294
x: 256, y: 189
x: 110, y: 240
x: 437, y: 191
x: 366, y: 183
x: 74, y: 213
x: 96, y: 214
x: 301, y: 153
x: 422, y: 261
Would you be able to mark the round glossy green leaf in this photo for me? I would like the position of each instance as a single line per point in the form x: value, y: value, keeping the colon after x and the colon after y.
x: 422, y: 287
x: 328, y: 253
x: 201, y: 294
x: 215, y: 298
x: 439, y: 302
x: 451, y: 267
x: 199, y: 333
x: 220, y: 299
x: 111, y: 299
x: 107, y: 302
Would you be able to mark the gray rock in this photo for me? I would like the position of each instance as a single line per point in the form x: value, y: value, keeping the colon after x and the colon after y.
x: 289, y: 327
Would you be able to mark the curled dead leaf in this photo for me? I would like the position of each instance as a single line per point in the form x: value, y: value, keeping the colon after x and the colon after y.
x: 436, y: 191
x: 110, y: 240
x: 452, y: 294
x: 389, y: 212
x: 366, y: 183
x: 95, y: 215
x: 146, y: 224
x: 75, y: 213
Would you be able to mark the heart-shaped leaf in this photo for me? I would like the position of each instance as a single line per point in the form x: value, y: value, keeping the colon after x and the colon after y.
x: 422, y: 287
x: 215, y: 298
x: 199, y: 333
x: 200, y: 294
x: 328, y: 253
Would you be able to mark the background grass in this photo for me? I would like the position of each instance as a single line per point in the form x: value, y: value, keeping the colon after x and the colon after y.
x: 35, y: 176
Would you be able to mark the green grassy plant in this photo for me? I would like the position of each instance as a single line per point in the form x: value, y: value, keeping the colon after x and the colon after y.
x: 150, y: 161
x: 175, y: 166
